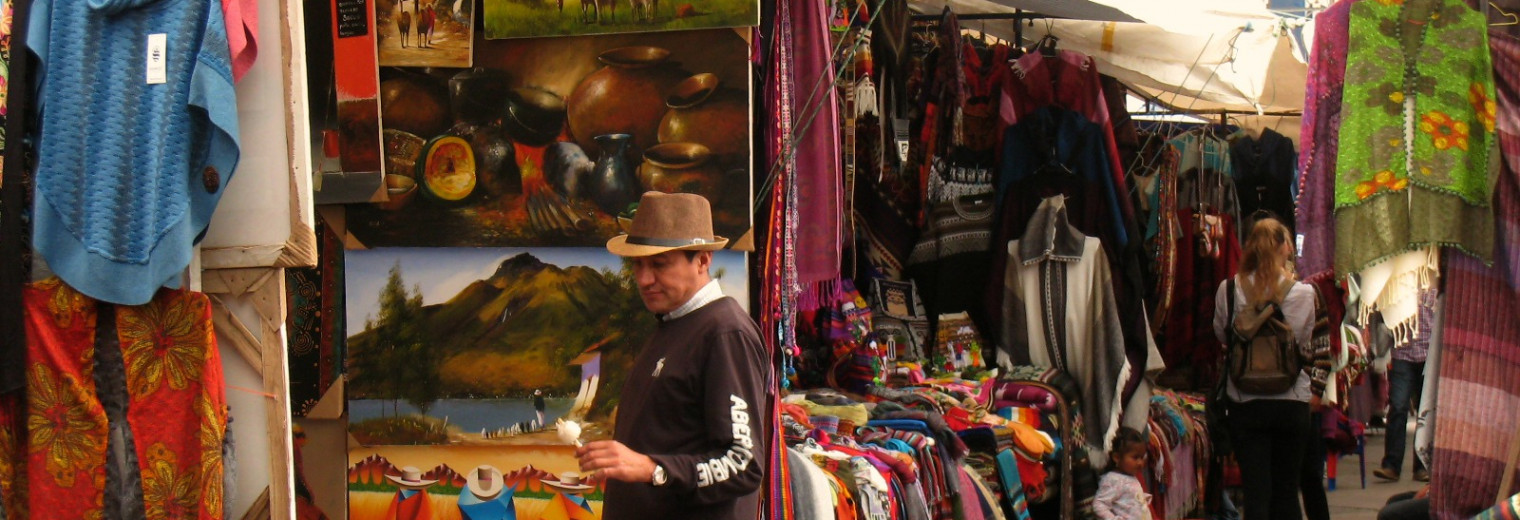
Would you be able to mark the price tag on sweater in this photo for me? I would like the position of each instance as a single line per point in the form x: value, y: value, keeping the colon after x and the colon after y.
x: 158, y: 59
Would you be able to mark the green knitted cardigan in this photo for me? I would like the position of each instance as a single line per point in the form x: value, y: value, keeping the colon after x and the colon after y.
x: 1418, y: 153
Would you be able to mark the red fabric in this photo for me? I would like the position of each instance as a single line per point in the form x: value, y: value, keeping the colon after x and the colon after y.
x: 1069, y: 81
x: 242, y: 21
x: 176, y: 413
x: 1189, y: 331
x: 66, y: 424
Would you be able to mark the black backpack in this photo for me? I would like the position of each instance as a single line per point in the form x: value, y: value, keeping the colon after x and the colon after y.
x: 1263, y: 354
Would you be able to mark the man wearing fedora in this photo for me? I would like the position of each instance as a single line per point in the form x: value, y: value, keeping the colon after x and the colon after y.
x: 690, y: 430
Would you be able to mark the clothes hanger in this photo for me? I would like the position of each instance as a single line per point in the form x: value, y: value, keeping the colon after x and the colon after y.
x: 1513, y: 19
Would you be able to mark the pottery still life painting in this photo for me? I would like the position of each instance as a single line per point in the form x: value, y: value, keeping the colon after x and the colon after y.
x: 548, y: 141
x: 494, y: 346
x: 538, y: 18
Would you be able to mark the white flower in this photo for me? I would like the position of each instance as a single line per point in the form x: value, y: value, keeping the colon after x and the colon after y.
x: 569, y: 432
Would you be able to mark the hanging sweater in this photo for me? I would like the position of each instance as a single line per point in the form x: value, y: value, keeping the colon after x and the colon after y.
x: 693, y: 402
x: 1399, y: 190
x: 1264, y: 175
x: 1060, y: 312
x: 128, y: 173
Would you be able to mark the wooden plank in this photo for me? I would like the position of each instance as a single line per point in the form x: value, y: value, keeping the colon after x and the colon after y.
x: 282, y: 504
x: 242, y: 256
x: 237, y: 335
x: 235, y: 282
x: 301, y: 248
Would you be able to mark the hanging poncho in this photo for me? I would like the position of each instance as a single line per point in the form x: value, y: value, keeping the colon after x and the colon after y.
x: 1417, y: 151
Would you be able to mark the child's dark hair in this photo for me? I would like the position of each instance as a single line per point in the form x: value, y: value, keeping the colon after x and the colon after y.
x: 1124, y: 440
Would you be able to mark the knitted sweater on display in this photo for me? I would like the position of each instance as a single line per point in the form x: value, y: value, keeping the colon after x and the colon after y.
x: 1417, y: 153
x: 129, y: 173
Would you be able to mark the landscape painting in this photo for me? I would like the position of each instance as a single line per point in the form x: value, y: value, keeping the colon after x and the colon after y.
x: 470, y: 483
x: 424, y: 33
x: 494, y: 346
x: 532, y: 18
x: 551, y: 141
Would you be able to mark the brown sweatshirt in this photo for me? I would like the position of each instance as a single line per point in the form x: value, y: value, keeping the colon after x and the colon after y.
x: 696, y: 403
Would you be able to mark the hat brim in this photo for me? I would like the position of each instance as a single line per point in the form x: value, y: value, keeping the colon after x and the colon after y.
x: 619, y: 245
x: 566, y: 487
x: 411, y: 483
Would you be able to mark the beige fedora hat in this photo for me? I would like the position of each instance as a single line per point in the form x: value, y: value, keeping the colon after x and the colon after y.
x: 568, y: 481
x: 668, y: 222
x: 411, y: 478
x: 485, y: 482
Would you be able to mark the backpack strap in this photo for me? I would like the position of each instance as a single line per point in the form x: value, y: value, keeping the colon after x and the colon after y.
x: 1230, y: 325
x: 1283, y: 290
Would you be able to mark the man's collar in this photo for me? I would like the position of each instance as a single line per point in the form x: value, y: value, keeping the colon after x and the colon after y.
x: 707, y: 294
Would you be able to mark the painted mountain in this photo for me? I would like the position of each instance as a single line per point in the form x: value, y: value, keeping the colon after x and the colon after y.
x: 480, y: 355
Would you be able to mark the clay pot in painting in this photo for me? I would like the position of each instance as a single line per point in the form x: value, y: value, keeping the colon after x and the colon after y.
x: 534, y: 117
x: 701, y: 111
x: 566, y: 168
x: 625, y: 96
x: 682, y: 168
x: 495, y: 162
x: 475, y: 95
x: 414, y: 103
x: 612, y: 184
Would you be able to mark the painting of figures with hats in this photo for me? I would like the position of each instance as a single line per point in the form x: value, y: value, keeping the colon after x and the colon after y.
x: 462, y: 483
x: 551, y: 141
x: 494, y: 346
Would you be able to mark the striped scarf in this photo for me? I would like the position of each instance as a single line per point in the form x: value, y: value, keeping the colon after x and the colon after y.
x: 1479, y: 387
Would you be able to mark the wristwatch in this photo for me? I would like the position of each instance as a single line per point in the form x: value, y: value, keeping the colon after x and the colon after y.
x: 659, y: 477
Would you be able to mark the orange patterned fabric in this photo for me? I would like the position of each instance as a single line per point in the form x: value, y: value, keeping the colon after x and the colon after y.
x: 13, y: 454
x: 65, y: 423
x: 177, y: 410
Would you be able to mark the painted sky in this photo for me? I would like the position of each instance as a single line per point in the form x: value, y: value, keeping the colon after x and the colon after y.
x: 442, y: 272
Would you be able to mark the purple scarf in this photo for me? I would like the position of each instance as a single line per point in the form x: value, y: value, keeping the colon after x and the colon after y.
x: 1320, y: 138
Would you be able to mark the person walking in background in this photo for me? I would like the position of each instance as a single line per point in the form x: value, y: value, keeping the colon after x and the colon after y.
x: 1406, y: 381
x: 430, y: 15
x: 538, y: 406
x: 1270, y: 432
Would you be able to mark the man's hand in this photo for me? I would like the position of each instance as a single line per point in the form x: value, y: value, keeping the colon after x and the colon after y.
x: 1315, y: 403
x: 616, y: 461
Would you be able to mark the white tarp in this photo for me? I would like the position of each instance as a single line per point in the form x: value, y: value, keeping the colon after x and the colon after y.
x: 1194, y: 54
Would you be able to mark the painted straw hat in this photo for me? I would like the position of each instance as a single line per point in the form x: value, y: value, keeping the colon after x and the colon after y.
x: 568, y: 481
x: 668, y: 222
x: 485, y: 482
x: 411, y: 477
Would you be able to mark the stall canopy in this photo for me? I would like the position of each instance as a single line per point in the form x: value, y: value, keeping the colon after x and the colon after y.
x: 1199, y: 55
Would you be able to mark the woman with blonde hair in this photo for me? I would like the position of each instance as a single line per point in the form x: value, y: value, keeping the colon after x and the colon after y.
x: 1270, y: 432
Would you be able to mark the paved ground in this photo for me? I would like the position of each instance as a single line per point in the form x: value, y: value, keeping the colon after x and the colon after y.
x: 1349, y: 501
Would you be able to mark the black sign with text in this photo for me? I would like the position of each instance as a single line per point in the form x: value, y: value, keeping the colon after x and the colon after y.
x: 352, y: 18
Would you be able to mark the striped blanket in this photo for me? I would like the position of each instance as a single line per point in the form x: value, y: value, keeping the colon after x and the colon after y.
x: 1478, y: 404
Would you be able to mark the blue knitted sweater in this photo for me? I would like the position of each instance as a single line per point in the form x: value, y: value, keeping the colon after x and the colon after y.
x: 128, y: 172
